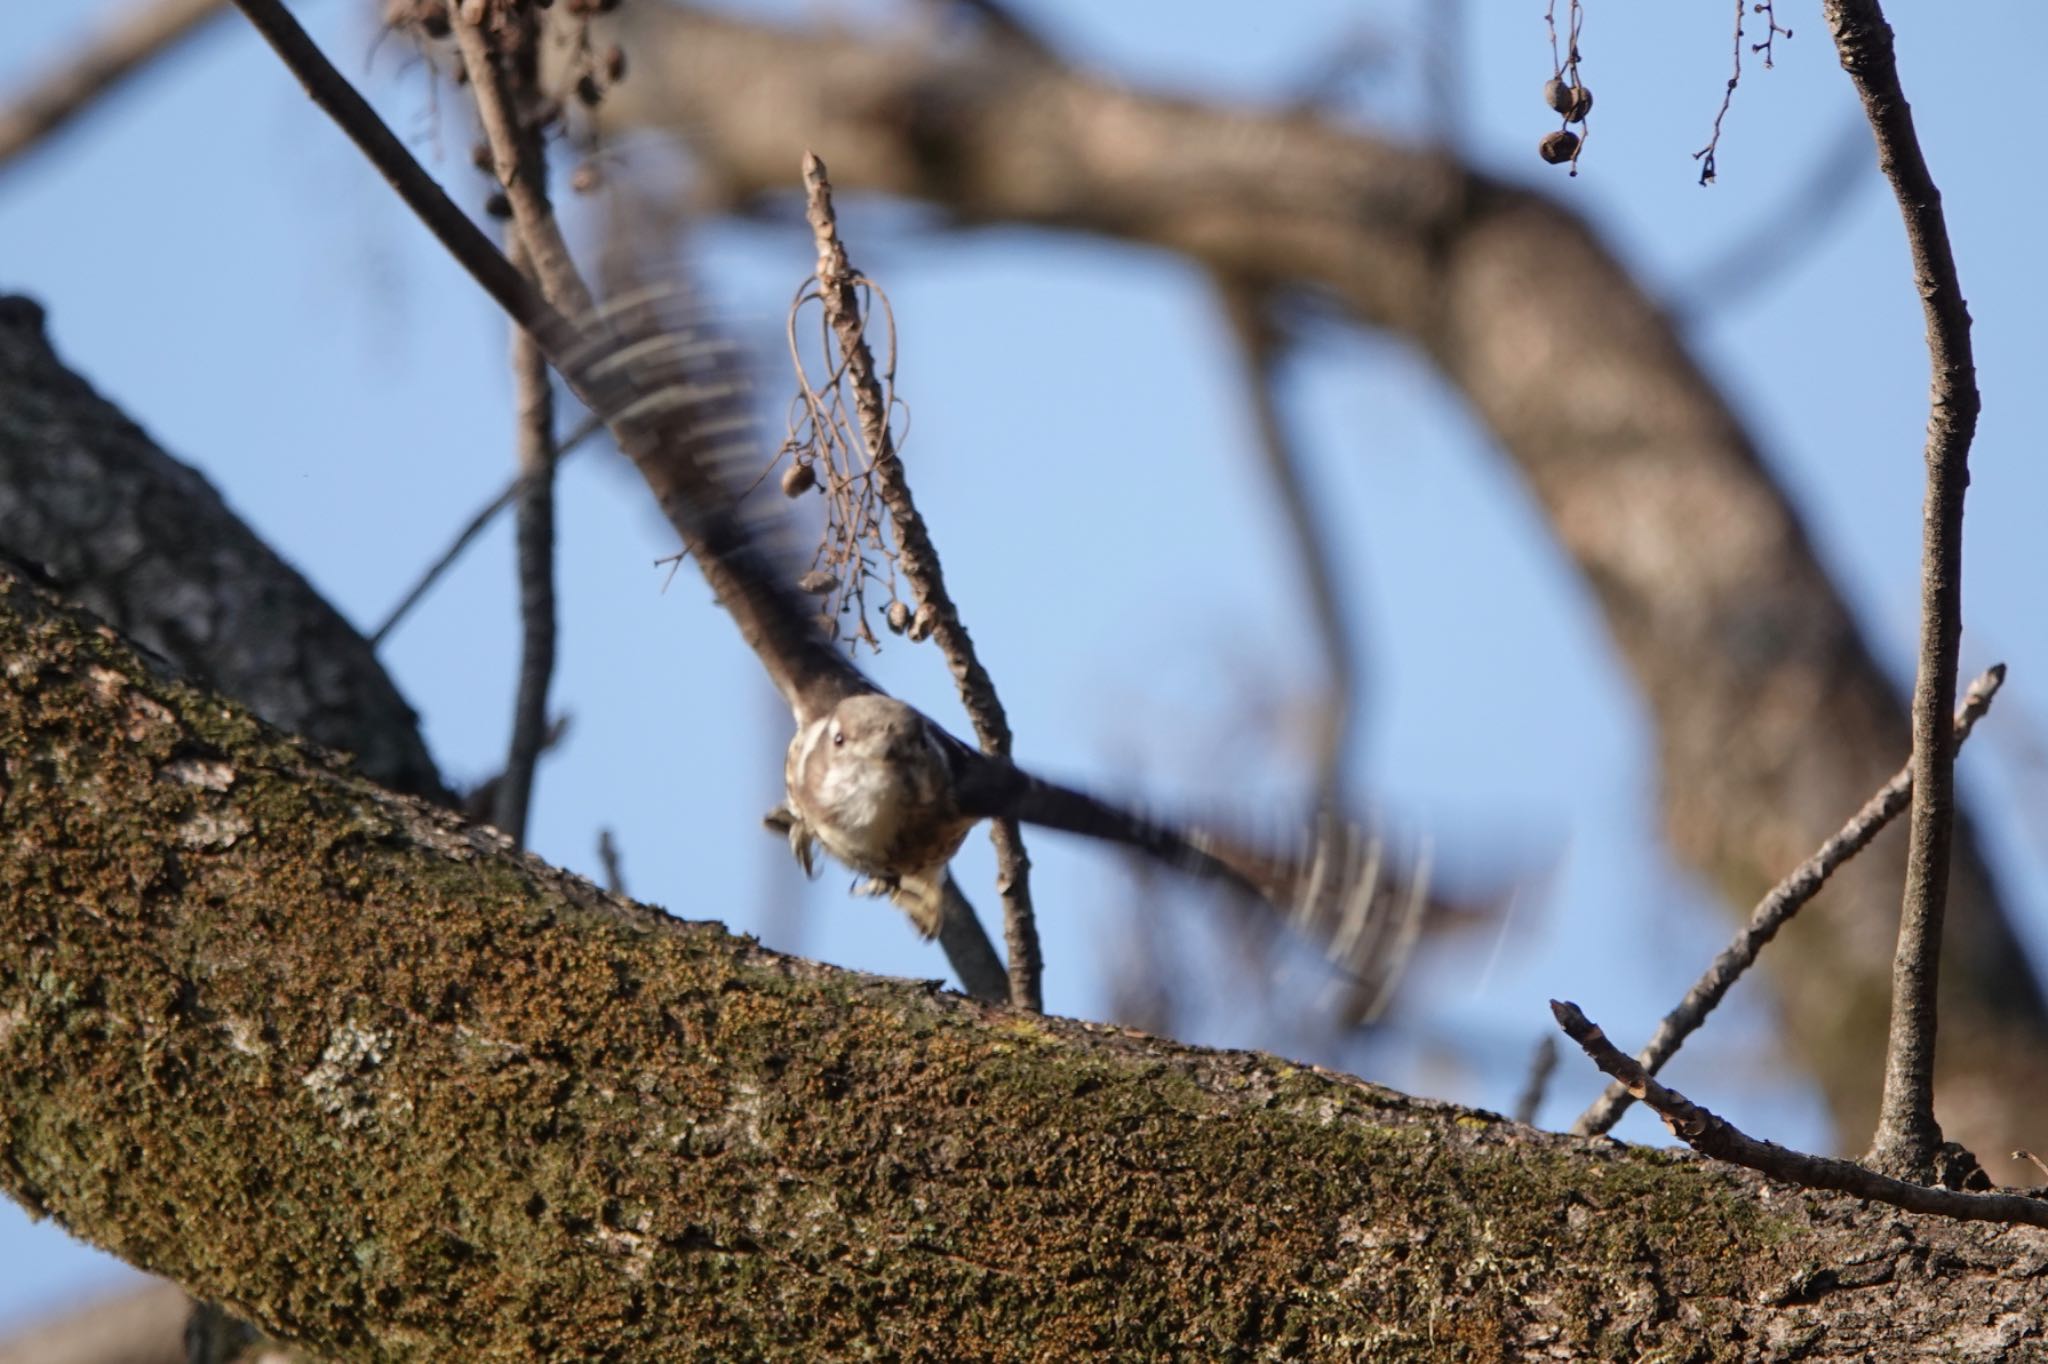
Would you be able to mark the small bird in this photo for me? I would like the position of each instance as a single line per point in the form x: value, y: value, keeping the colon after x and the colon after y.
x: 879, y: 785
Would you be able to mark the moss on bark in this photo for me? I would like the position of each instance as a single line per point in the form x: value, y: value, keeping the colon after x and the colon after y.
x: 389, y: 1089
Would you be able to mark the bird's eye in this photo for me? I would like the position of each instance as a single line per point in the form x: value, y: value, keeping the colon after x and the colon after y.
x: 838, y: 737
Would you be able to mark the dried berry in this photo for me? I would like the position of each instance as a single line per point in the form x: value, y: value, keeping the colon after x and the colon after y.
x: 615, y: 63
x: 897, y: 617
x: 921, y: 624
x: 588, y: 90
x: 1559, y: 147
x: 586, y: 177
x: 1581, y: 104
x: 1557, y: 94
x: 799, y: 478
x: 497, y: 205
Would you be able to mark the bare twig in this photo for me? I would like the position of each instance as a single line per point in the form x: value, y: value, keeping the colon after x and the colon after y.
x: 536, y: 543
x: 471, y: 529
x: 839, y: 286
x: 1542, y: 1065
x: 1714, y: 1136
x: 1775, y: 910
x: 1768, y: 47
x: 463, y: 239
x: 608, y: 855
x: 1784, y: 235
x: 62, y: 93
x: 1907, y: 1134
x: 2032, y: 1159
x: 1244, y: 305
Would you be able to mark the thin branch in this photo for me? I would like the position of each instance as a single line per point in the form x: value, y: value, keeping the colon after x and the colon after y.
x: 471, y: 529
x: 1768, y: 47
x: 1715, y: 1136
x: 1542, y: 1065
x: 535, y: 396
x: 839, y: 287
x: 64, y: 91
x: 1775, y: 910
x: 1244, y: 305
x: 1907, y: 1134
x: 1786, y: 235
x: 968, y: 948
x: 608, y: 855
x: 352, y: 113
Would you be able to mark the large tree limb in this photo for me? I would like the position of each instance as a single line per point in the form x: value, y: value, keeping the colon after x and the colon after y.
x: 146, y: 541
x: 479, y: 1108
x: 1773, y: 720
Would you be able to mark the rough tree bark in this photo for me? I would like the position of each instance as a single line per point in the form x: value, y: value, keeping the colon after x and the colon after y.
x: 1774, y: 723
x: 121, y: 527
x: 481, y: 1109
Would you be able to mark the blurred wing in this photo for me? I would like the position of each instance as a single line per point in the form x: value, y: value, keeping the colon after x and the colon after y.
x: 1340, y: 889
x: 675, y: 392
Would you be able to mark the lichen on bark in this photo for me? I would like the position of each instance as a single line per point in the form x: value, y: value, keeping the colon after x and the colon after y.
x: 389, y: 1089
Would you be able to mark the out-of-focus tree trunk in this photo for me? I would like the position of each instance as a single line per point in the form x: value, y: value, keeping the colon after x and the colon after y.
x: 1774, y: 723
x: 459, y: 1104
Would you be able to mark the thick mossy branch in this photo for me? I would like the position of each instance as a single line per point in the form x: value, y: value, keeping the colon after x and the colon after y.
x: 456, y: 1103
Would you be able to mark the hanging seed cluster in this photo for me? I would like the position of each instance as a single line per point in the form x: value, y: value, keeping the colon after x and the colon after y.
x: 828, y: 456
x: 1568, y: 96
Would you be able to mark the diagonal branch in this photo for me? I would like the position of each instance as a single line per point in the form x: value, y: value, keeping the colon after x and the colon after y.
x: 1907, y: 1133
x: 463, y: 538
x: 1712, y: 1135
x: 1776, y: 910
x: 62, y: 93
x: 839, y: 287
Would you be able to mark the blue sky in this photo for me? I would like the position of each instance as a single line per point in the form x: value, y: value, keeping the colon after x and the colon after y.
x: 219, y: 262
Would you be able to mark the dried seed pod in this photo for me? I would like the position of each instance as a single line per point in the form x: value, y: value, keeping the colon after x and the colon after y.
x: 897, y: 617
x: 921, y: 624
x: 799, y: 478
x: 1557, y: 94
x: 817, y: 582
x: 1581, y: 104
x: 1559, y: 147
